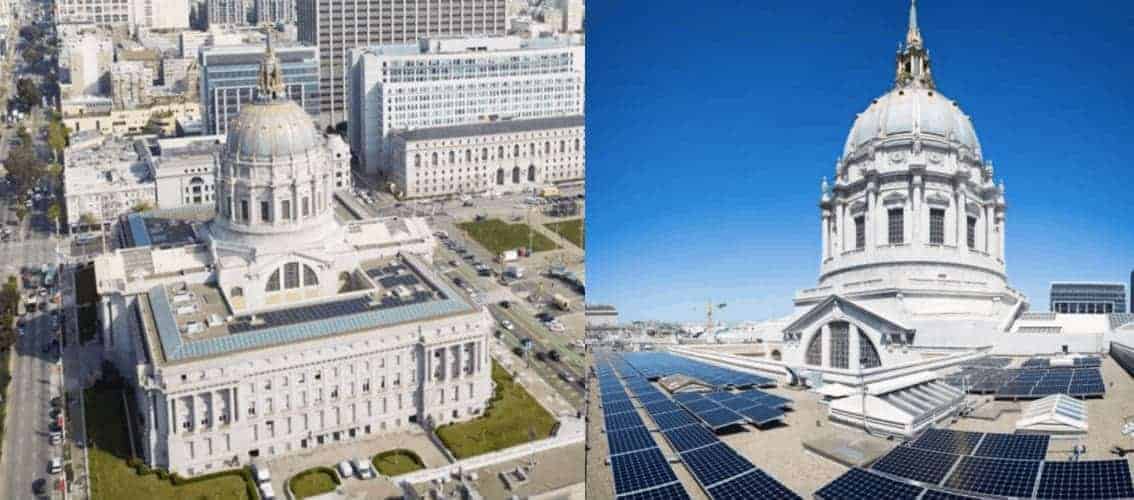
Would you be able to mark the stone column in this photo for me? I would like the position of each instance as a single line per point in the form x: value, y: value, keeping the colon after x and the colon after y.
x: 826, y: 228
x: 989, y: 227
x: 853, y: 348
x: 825, y: 344
x: 920, y: 220
x: 962, y: 220
x: 871, y: 216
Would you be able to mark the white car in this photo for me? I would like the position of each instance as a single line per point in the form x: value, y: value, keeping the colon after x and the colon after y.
x: 266, y: 492
x: 55, y: 466
x: 364, y: 469
x: 556, y: 327
x: 345, y: 469
x: 507, y: 324
x: 261, y: 473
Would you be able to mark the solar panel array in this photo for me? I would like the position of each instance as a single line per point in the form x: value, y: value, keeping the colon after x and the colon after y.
x: 720, y: 471
x: 1030, y: 383
x: 640, y: 470
x: 655, y: 365
x: 946, y: 464
x: 721, y: 409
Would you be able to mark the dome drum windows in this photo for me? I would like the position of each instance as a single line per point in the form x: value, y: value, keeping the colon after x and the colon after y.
x: 291, y: 277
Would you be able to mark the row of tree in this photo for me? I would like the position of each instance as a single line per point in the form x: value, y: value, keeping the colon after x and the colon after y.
x: 9, y: 310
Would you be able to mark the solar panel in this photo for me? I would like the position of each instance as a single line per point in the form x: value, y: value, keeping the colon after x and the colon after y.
x: 662, y: 406
x: 994, y: 476
x: 689, y: 437
x: 673, y: 419
x: 917, y: 464
x: 673, y: 491
x: 652, y: 397
x: 618, y: 406
x: 762, y: 415
x: 944, y: 495
x: 720, y: 417
x: 686, y: 397
x: 947, y: 441
x: 755, y: 485
x: 621, y: 421
x: 720, y: 396
x: 738, y: 404
x: 858, y: 484
x: 702, y: 405
x: 632, y: 439
x: 640, y: 470
x: 1020, y: 447
x: 715, y: 463
x: 615, y: 396
x: 1086, y: 479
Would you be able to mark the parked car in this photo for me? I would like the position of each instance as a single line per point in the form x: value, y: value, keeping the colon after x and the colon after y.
x: 553, y: 355
x: 266, y: 491
x: 507, y: 324
x: 55, y: 466
x: 39, y: 486
x: 505, y: 304
x: 364, y: 469
x: 345, y: 469
x: 261, y: 473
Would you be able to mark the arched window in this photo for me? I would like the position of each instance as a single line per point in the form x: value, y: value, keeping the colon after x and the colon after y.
x: 309, y: 276
x: 273, y: 282
x: 516, y: 151
x: 484, y: 153
x: 515, y: 175
x: 562, y: 146
x: 814, y: 354
x: 840, y: 344
x: 531, y: 149
x: 499, y: 152
x: 452, y: 157
x: 867, y: 354
x: 776, y: 355
x: 547, y: 147
x: 417, y: 160
x: 468, y: 155
x: 434, y: 158
x: 576, y: 145
x: 531, y: 173
x: 499, y: 177
x: 236, y: 291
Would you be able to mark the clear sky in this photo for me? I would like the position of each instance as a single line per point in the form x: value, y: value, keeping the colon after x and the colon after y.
x: 710, y: 127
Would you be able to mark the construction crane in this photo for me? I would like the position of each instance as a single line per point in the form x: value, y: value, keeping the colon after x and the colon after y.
x: 709, y: 307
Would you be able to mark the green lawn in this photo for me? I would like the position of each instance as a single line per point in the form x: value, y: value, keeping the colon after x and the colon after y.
x: 511, y: 416
x: 396, y: 462
x: 571, y: 230
x: 498, y: 236
x: 113, y: 479
x: 313, y: 482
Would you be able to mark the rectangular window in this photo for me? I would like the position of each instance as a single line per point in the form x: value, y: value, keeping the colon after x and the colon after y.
x: 291, y: 275
x: 840, y: 345
x: 896, y: 226
x: 285, y: 209
x: 971, y: 232
x: 860, y: 232
x: 265, y: 211
x: 306, y: 207
x: 936, y: 226
x: 244, y: 210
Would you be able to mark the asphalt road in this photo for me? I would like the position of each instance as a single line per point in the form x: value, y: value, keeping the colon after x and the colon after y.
x: 35, y: 380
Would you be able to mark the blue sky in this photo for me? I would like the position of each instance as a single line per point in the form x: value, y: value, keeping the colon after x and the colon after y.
x: 709, y: 130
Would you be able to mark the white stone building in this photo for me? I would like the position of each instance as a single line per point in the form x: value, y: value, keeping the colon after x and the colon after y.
x: 912, y: 275
x: 131, y: 84
x: 124, y: 14
x: 277, y: 328
x: 498, y: 157
x: 184, y: 170
x: 103, y: 179
x: 85, y: 61
x: 459, y: 81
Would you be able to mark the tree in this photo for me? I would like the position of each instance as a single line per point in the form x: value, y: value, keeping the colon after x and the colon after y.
x: 24, y: 167
x: 28, y: 92
x: 142, y: 206
x: 88, y: 219
x: 55, y: 214
x: 57, y: 135
x: 23, y: 134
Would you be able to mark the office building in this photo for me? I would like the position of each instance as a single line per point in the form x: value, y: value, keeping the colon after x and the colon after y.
x: 459, y: 81
x: 498, y: 157
x: 124, y: 14
x: 1088, y: 298
x: 275, y: 11
x: 339, y: 26
x: 84, y: 65
x: 276, y: 328
x: 228, y: 80
x: 104, y: 178
x: 227, y: 12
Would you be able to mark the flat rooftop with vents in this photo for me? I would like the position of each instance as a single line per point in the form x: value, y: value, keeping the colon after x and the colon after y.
x: 185, y: 322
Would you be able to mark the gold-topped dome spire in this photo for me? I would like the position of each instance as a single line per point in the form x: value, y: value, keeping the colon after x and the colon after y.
x: 913, y: 59
x: 271, y: 84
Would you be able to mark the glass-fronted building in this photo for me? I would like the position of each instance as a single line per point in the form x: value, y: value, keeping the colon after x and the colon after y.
x: 228, y: 80
x: 1088, y: 298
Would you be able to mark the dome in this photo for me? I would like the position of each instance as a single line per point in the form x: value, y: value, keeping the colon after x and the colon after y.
x: 272, y: 130
x: 913, y: 110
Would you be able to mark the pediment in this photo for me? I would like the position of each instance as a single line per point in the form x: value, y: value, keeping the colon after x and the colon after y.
x: 835, y: 306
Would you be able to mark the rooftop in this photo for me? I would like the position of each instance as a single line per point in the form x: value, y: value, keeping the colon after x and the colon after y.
x: 459, y: 45
x: 142, y: 231
x: 111, y: 164
x: 188, y: 322
x: 491, y: 128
